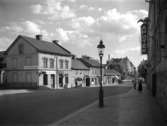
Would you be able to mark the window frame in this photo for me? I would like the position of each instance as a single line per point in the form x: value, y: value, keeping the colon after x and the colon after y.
x: 45, y: 62
x: 51, y: 60
x: 66, y: 64
x: 61, y: 63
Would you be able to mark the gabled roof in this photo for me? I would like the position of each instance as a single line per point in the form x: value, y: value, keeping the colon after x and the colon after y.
x: 78, y: 65
x: 90, y: 62
x: 45, y: 46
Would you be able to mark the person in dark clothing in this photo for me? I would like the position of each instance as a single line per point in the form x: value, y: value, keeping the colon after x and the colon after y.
x: 140, y: 87
x: 134, y: 83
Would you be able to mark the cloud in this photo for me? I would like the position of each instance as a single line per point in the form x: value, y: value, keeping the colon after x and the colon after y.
x: 31, y: 27
x: 4, y: 43
x: 73, y: 37
x: 82, y: 22
x: 28, y: 28
x: 119, y: 23
x: 62, y: 34
x: 54, y: 10
x: 36, y: 9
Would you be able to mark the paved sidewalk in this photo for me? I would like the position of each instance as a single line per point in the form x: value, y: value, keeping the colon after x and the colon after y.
x: 12, y: 91
x: 131, y: 109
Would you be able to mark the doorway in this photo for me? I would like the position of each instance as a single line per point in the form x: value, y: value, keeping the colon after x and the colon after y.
x: 154, y: 84
x: 53, y: 80
x: 60, y: 80
x: 87, y: 82
x: 45, y: 79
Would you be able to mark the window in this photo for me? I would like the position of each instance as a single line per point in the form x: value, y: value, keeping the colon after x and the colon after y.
x: 61, y: 64
x: 14, y: 77
x: 45, y: 62
x: 66, y: 64
x: 51, y: 63
x: 28, y: 61
x: 21, y: 48
x: 14, y: 62
x: 28, y: 77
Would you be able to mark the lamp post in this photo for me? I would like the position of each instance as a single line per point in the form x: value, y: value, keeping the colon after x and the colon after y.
x: 101, y: 48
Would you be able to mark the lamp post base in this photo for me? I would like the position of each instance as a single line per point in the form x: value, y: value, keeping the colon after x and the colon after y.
x: 101, y: 102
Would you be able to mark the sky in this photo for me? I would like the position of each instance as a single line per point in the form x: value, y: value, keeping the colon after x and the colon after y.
x: 79, y: 25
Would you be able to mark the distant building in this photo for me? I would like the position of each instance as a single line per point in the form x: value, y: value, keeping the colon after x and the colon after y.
x: 111, y: 77
x: 123, y: 65
x: 33, y: 62
x: 79, y: 73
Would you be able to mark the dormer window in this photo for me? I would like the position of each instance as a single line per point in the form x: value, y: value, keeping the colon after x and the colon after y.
x: 21, y: 48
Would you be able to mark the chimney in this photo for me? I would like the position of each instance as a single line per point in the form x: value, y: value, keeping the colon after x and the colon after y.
x: 55, y: 41
x: 38, y: 37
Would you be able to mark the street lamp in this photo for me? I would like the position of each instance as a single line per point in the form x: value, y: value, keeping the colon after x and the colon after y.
x: 101, y: 48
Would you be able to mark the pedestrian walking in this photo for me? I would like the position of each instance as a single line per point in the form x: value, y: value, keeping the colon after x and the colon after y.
x: 134, y: 83
x: 140, y: 87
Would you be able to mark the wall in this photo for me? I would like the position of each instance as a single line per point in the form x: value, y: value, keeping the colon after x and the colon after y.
x: 56, y: 70
x: 78, y: 74
x: 16, y: 73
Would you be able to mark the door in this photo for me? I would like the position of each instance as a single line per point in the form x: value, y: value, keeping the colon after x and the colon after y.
x: 154, y: 84
x: 53, y: 80
x: 87, y: 82
x: 45, y: 79
x: 60, y: 80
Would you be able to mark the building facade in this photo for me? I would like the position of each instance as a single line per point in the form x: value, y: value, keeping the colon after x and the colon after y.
x: 94, y: 70
x: 79, y: 73
x: 111, y: 77
x: 157, y: 50
x: 32, y: 62
x: 122, y: 65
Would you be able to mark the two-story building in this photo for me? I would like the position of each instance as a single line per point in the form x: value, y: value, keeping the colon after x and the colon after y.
x: 33, y: 62
x: 111, y: 77
x: 94, y: 70
x: 79, y: 73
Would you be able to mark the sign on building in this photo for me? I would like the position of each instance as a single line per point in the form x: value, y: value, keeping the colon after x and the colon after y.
x: 144, y: 38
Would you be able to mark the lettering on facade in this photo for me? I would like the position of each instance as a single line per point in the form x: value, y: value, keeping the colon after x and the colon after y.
x: 144, y: 38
